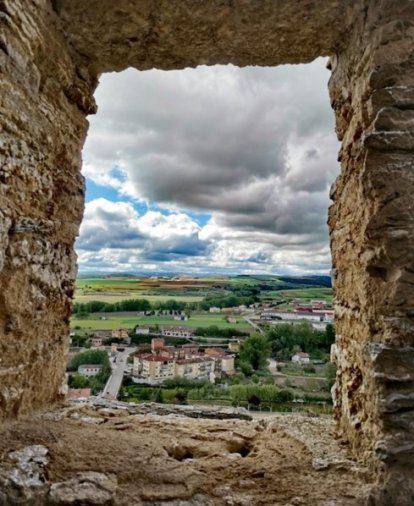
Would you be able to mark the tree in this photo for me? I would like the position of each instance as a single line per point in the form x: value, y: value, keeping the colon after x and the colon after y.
x: 78, y: 381
x: 246, y: 368
x: 158, y: 396
x: 78, y: 340
x: 284, y: 396
x: 255, y: 351
x: 181, y: 396
x: 254, y: 399
x: 309, y: 369
x: 90, y: 357
x: 329, y: 335
x: 287, y: 339
x: 330, y: 374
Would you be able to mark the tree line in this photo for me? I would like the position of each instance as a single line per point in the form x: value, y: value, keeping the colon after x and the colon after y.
x: 95, y: 383
x: 282, y: 341
x: 98, y: 306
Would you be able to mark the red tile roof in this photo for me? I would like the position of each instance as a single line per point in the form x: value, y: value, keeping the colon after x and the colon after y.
x: 79, y: 392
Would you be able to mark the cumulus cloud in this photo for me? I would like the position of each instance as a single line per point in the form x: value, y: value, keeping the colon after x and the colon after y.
x: 253, y: 147
x: 118, y: 228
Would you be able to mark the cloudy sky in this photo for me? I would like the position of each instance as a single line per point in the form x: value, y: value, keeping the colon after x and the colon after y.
x: 209, y: 170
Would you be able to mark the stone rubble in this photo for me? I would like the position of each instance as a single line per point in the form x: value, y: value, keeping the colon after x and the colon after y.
x: 112, y: 407
x: 89, y: 489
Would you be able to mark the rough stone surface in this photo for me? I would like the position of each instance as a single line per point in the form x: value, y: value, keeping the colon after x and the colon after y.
x: 151, y: 460
x: 162, y: 34
x: 115, y: 408
x: 51, y: 55
x: 23, y: 481
x: 41, y: 195
x: 372, y: 241
x: 89, y: 489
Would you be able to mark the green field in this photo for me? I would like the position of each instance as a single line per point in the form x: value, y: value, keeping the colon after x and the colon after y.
x: 190, y: 289
x: 114, y: 322
x: 306, y: 294
x: 185, y: 289
x: 196, y: 320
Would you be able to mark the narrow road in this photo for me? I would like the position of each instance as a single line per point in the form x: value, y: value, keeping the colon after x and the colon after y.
x: 272, y: 365
x: 114, y: 383
x: 254, y: 325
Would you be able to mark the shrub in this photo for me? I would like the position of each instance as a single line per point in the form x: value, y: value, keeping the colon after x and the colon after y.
x: 158, y: 397
x: 309, y: 369
x: 181, y: 396
x: 284, y: 396
x: 246, y: 368
x: 254, y: 399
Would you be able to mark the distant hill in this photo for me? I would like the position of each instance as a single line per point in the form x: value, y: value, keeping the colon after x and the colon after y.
x: 308, y: 280
x: 283, y: 282
x: 264, y: 280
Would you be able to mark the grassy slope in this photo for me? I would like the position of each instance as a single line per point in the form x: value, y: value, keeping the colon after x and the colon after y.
x: 301, y: 293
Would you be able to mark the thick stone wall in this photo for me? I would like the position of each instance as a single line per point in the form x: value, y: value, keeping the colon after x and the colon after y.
x: 51, y: 55
x: 108, y: 35
x: 372, y: 241
x: 41, y: 195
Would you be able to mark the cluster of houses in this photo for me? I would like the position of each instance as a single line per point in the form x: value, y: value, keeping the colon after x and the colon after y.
x: 318, y: 313
x: 231, y: 310
x: 188, y: 361
x: 100, y: 337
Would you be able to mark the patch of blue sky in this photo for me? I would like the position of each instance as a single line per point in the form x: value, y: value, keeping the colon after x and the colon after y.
x: 96, y: 191
x: 200, y: 218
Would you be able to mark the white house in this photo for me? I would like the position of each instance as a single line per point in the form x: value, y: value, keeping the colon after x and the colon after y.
x: 89, y: 369
x: 301, y: 358
x: 215, y: 310
x: 96, y: 342
x: 142, y: 330
x: 293, y: 316
x: 176, y: 331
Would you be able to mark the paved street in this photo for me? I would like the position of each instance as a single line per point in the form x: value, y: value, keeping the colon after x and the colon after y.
x: 118, y: 368
x: 272, y: 365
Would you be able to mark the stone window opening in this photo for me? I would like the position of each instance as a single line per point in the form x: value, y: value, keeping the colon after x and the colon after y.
x: 52, y: 53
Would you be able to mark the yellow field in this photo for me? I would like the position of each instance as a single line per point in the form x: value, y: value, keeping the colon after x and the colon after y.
x: 111, y: 298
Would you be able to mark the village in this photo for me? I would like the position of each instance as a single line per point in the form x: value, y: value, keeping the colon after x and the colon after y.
x: 151, y: 355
